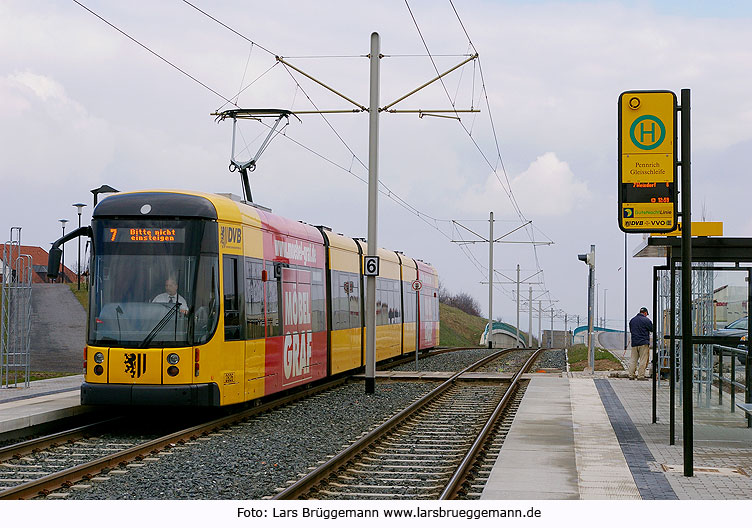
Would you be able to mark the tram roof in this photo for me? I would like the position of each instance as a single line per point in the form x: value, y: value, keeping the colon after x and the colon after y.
x: 190, y: 204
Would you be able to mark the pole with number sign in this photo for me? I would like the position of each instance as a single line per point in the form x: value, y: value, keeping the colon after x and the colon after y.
x: 417, y: 285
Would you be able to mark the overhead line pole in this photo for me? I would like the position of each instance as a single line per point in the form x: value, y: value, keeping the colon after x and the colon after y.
x: 530, y: 317
x: 490, y: 280
x: 373, y: 196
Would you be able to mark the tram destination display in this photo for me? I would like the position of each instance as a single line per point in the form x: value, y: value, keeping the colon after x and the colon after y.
x: 146, y: 235
x: 647, y: 162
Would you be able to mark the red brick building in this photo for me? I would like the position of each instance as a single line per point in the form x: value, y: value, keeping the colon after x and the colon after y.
x: 39, y: 259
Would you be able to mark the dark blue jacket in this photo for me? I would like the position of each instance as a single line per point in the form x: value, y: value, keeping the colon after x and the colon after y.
x: 641, y: 327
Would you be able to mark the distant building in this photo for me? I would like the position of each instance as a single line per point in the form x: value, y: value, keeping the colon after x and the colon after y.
x: 729, y: 304
x: 561, y: 339
x: 39, y: 259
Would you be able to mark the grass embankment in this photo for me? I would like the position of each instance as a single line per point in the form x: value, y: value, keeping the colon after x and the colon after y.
x: 604, y: 360
x: 459, y: 328
x: 82, y: 295
x: 19, y: 377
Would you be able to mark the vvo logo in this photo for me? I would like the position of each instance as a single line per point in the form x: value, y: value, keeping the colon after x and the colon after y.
x: 230, y: 237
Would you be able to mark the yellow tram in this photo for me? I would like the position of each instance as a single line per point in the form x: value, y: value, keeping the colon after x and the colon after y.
x: 198, y: 299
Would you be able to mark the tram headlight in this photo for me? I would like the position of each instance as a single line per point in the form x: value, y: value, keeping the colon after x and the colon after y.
x: 173, y: 359
x: 98, y: 369
x: 98, y: 357
x: 172, y: 371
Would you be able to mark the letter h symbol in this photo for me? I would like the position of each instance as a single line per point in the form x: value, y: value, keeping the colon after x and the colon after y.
x: 650, y: 132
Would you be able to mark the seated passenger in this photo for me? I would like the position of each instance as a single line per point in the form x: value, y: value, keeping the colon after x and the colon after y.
x: 171, y: 296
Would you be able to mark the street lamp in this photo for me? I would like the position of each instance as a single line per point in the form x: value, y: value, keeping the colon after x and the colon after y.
x: 80, y: 207
x: 102, y: 189
x: 62, y: 260
x: 589, y: 259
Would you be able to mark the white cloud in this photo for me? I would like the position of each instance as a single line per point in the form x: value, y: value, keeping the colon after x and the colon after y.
x: 548, y: 187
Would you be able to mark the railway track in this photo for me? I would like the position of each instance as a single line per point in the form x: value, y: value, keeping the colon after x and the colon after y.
x: 426, y: 451
x: 39, y: 467
x: 87, y: 454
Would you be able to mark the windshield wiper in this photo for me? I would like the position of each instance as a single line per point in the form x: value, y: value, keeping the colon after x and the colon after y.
x: 160, y: 325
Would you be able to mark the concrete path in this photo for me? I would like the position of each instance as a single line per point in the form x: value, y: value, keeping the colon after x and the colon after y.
x: 58, y: 329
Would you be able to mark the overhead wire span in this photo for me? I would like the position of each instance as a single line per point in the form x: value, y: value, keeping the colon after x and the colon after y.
x: 499, y: 159
x: 386, y: 191
x: 113, y: 26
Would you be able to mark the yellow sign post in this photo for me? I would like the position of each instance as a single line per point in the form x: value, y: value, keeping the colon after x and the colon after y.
x: 647, y: 162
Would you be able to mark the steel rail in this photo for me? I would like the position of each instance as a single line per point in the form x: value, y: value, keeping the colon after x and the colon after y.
x: 458, y: 477
x: 333, y: 464
x: 37, y: 444
x: 85, y: 471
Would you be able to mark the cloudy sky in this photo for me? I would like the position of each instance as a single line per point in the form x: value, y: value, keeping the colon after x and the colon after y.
x: 82, y: 105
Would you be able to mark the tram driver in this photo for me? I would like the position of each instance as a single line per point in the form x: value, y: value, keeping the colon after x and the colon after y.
x: 171, y: 295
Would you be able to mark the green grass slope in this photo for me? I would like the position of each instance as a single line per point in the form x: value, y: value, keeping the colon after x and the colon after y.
x: 459, y: 328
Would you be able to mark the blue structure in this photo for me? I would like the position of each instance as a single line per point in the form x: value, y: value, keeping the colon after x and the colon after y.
x: 595, y: 329
x: 506, y: 329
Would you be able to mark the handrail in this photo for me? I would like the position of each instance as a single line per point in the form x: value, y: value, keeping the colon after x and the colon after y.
x: 747, y: 385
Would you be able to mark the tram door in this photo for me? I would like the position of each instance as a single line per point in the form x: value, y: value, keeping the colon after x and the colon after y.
x: 232, y: 355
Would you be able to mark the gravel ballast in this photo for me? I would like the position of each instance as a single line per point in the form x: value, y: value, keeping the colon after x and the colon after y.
x: 251, y: 460
x: 254, y: 459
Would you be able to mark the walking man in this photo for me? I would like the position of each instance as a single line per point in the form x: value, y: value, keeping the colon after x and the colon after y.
x: 640, y: 327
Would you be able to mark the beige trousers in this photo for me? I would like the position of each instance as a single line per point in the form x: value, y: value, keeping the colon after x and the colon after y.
x: 639, y: 354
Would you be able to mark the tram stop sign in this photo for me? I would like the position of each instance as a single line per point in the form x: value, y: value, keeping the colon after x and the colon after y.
x: 647, y: 162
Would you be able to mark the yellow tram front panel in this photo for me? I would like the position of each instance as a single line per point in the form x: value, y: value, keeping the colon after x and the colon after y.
x: 135, y: 365
x: 89, y: 374
x: 184, y: 368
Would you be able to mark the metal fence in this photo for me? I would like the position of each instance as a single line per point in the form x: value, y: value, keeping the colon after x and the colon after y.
x: 15, y: 313
x: 702, y: 321
x: 729, y: 376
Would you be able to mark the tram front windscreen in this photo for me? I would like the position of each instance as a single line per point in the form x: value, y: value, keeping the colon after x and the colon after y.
x: 154, y: 283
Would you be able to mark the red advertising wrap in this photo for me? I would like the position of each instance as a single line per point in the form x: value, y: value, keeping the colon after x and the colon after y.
x: 299, y: 355
x: 298, y: 344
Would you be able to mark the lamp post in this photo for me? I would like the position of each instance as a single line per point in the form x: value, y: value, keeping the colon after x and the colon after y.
x: 589, y: 259
x: 102, y: 189
x: 80, y: 207
x: 62, y: 259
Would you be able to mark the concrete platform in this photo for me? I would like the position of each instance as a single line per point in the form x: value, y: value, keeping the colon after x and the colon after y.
x: 591, y: 437
x: 43, y: 402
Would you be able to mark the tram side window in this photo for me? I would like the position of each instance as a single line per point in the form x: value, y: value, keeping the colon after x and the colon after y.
x: 272, y: 289
x: 353, y: 301
x: 207, y: 296
x: 340, y: 318
x: 318, y: 301
x: 231, y: 295
x: 254, y: 299
x: 345, y: 300
x: 396, y: 304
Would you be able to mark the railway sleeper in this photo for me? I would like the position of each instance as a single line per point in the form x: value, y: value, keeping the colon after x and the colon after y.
x: 378, y: 472
x: 384, y: 496
x: 427, y: 453
x: 390, y: 488
x: 403, y: 460
x: 384, y: 479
